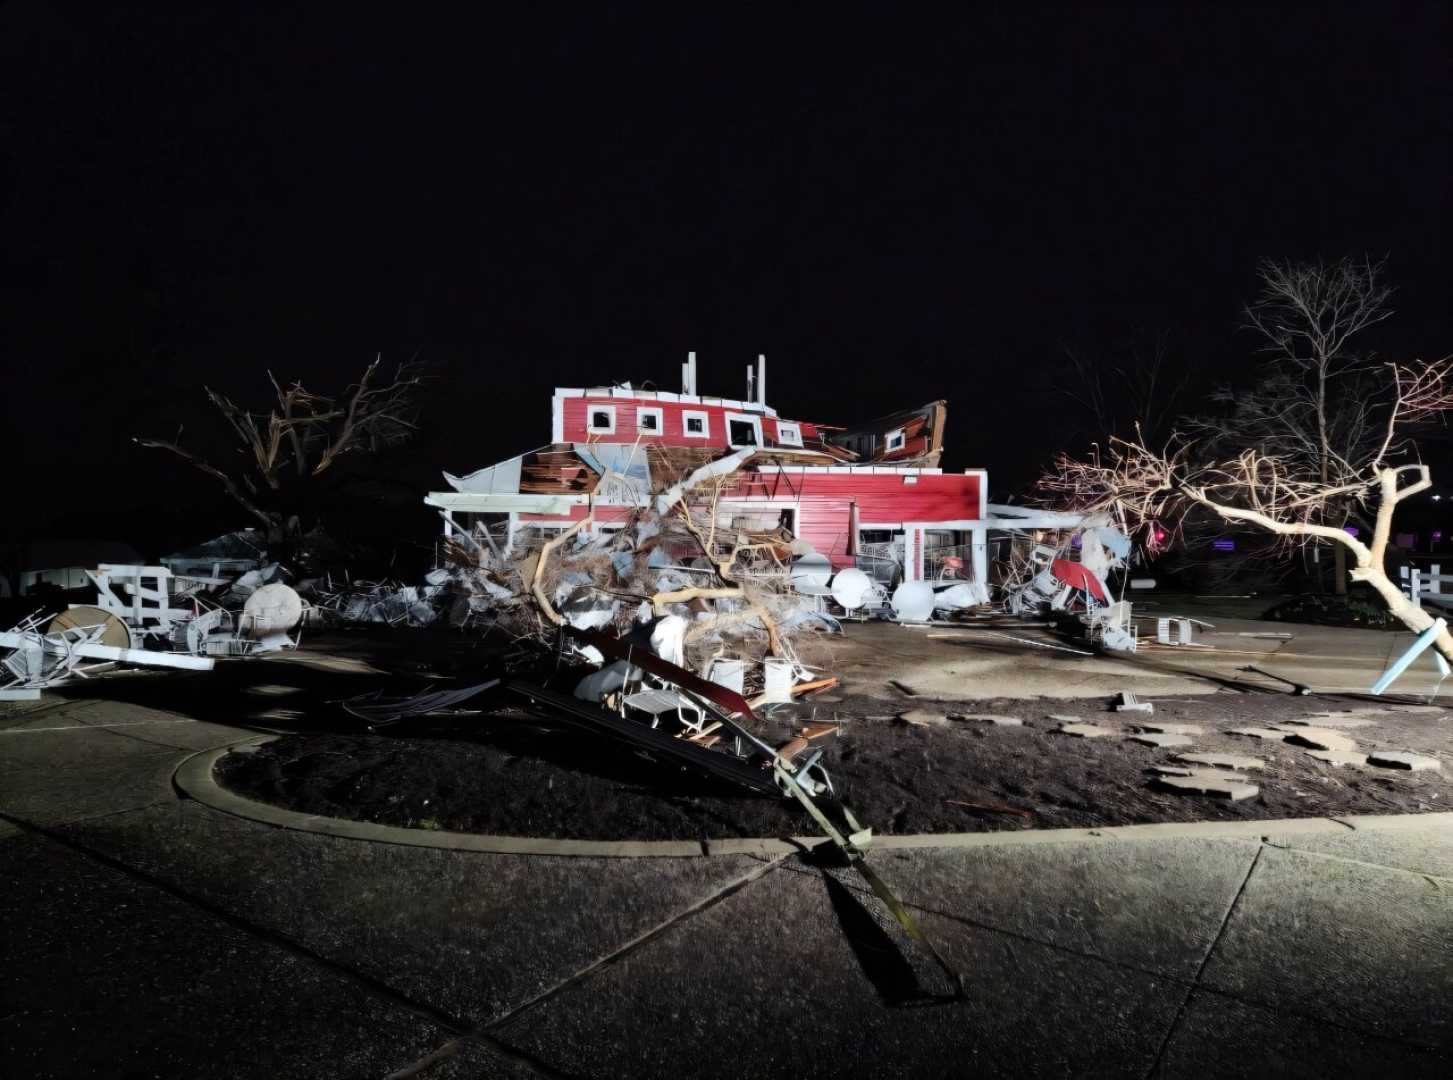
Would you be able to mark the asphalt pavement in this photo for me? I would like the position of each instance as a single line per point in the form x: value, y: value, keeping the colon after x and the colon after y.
x: 147, y: 934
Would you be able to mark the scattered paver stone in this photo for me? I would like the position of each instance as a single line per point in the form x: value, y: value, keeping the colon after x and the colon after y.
x: 1222, y: 761
x: 1202, y: 772
x: 1086, y: 731
x: 1167, y: 728
x: 990, y: 718
x: 1221, y: 787
x: 1401, y: 759
x: 1322, y: 739
x: 1261, y: 733
x: 1154, y: 739
x: 1339, y: 757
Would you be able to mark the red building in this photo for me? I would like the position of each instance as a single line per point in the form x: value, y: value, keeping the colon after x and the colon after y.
x: 872, y: 495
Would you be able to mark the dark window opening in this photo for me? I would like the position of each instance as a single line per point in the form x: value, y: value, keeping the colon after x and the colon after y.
x: 648, y: 421
x: 695, y: 425
x: 600, y: 419
x: 744, y: 433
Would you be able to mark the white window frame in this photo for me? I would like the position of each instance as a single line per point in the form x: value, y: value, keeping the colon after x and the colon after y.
x: 659, y: 414
x: 789, y: 434
x: 744, y: 418
x: 896, y: 433
x: 725, y: 511
x: 591, y: 410
x: 696, y: 414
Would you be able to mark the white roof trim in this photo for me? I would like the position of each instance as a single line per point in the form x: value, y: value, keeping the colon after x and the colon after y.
x: 502, y: 504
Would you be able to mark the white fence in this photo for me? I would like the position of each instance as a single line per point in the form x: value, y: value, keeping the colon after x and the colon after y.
x: 1418, y: 583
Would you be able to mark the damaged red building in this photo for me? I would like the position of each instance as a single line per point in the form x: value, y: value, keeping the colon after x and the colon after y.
x: 872, y: 495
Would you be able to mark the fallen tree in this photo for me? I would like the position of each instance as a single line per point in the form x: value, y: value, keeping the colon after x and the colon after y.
x: 1153, y: 491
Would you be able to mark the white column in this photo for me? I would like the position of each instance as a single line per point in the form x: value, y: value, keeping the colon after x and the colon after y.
x: 980, y: 550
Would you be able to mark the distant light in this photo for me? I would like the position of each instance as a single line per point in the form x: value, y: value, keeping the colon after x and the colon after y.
x: 1225, y: 543
x: 1436, y: 497
x: 1160, y: 536
x: 1437, y: 536
x: 1352, y: 530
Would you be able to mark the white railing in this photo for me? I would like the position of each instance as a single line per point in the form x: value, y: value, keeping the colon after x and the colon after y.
x: 1418, y: 583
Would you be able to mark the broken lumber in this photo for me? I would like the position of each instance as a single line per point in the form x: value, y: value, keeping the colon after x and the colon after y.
x: 545, y: 606
x: 814, y: 686
x: 817, y: 731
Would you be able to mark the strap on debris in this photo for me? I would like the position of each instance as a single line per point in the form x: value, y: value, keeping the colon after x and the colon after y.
x: 851, y: 850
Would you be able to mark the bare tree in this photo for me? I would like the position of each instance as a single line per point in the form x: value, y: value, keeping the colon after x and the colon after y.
x: 1137, y: 386
x: 1153, y: 491
x: 1311, y: 409
x: 301, y: 438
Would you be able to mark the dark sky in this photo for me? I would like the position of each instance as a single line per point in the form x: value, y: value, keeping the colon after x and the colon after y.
x: 892, y: 207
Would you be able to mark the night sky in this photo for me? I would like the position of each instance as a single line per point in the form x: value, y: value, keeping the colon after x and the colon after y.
x: 893, y: 207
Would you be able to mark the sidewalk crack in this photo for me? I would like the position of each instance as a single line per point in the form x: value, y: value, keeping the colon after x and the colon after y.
x: 1205, y: 960
x: 637, y: 942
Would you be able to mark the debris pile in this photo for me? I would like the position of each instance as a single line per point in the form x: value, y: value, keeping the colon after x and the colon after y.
x: 389, y: 603
x: 724, y: 602
x: 152, y: 617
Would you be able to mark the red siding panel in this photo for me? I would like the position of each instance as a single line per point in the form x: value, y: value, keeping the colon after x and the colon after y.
x: 888, y: 499
x: 673, y: 430
x: 823, y: 521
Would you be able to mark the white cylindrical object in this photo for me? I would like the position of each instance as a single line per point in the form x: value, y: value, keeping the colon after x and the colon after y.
x: 851, y: 588
x: 913, y: 601
x: 729, y: 673
x: 778, y: 678
x: 272, y: 609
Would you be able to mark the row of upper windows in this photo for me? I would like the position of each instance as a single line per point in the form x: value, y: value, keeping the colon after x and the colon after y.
x: 742, y: 430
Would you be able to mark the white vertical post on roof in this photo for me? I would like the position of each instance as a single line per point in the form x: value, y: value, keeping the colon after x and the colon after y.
x: 690, y: 373
x: 685, y: 377
x: 762, y: 379
x: 751, y: 377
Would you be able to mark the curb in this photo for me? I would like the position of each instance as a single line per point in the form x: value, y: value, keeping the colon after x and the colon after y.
x: 194, y: 777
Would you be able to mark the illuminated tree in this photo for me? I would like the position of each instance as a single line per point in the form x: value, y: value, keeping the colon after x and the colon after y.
x: 1152, y: 491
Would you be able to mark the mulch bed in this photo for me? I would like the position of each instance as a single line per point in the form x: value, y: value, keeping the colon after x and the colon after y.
x: 508, y: 773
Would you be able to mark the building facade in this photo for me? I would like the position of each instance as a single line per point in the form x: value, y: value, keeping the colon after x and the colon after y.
x: 870, y: 496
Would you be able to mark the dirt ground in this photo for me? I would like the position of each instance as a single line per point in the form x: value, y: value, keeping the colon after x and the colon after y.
x: 502, y: 771
x: 506, y: 772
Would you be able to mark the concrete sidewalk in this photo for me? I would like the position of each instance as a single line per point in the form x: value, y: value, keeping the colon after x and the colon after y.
x: 149, y: 935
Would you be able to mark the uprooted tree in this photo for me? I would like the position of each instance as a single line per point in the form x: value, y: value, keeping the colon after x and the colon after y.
x: 289, y: 453
x: 1286, y: 494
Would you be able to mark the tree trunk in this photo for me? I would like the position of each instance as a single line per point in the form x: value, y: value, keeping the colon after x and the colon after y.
x: 1413, y: 617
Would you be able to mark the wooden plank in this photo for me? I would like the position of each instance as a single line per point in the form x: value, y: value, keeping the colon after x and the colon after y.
x: 817, y: 731
x: 814, y: 686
